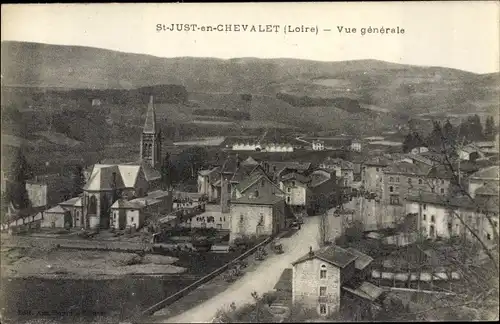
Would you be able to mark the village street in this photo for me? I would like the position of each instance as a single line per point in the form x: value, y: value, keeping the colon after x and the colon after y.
x: 261, y: 280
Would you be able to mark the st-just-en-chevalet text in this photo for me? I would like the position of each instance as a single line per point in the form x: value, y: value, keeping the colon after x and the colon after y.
x: 286, y: 29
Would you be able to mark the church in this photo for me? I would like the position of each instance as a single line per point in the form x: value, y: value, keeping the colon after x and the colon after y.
x: 121, y: 195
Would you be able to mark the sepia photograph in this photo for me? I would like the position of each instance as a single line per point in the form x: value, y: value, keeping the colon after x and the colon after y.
x: 250, y: 162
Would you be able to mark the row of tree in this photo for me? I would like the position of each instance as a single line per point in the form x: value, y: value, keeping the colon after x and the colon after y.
x: 469, y: 130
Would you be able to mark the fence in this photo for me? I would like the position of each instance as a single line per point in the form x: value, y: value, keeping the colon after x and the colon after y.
x: 183, y: 292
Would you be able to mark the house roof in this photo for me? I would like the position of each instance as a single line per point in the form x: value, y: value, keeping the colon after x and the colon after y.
x: 420, y: 158
x: 295, y: 176
x: 150, y: 173
x: 463, y: 202
x: 285, y: 281
x: 261, y: 200
x: 405, y: 168
x: 491, y: 172
x: 249, y: 181
x: 150, y: 122
x: 208, y: 172
x: 56, y: 210
x: 124, y: 204
x: 71, y: 202
x: 332, y: 254
x: 362, y: 260
x: 319, y: 177
x: 101, y: 178
x: 250, y: 161
x: 340, y: 162
x: 377, y: 161
x: 489, y: 189
x: 365, y: 290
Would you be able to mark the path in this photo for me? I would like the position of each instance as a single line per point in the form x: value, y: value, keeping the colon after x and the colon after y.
x: 261, y: 280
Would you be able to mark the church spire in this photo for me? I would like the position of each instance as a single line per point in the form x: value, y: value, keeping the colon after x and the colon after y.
x: 150, y: 123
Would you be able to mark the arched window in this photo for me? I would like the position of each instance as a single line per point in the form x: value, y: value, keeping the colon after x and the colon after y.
x: 322, y: 272
x: 419, y: 181
x: 92, y: 207
x: 391, y: 189
x: 391, y: 179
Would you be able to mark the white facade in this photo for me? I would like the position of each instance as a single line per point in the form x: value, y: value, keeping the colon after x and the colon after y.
x: 296, y: 192
x: 318, y: 145
x: 356, y: 146
x: 420, y: 149
x: 316, y: 289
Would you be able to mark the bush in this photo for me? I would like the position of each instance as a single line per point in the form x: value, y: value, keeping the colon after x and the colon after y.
x: 130, y: 260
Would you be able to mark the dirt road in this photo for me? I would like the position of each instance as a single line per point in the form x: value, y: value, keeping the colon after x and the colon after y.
x: 261, y: 280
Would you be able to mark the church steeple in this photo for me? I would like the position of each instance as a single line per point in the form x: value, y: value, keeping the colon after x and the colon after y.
x: 151, y: 138
x: 150, y: 123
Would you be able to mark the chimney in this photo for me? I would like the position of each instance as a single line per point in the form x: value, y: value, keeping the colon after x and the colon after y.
x: 311, y: 253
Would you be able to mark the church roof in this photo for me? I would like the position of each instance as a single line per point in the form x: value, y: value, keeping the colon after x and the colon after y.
x: 150, y: 123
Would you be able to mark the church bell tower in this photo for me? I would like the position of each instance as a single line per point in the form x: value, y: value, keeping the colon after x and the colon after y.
x: 151, y: 138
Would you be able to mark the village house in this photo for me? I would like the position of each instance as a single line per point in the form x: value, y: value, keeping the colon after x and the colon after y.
x: 318, y: 145
x: 343, y: 170
x: 56, y: 217
x: 372, y: 175
x: 75, y: 207
x: 296, y: 188
x: 419, y: 149
x: 356, y: 146
x: 401, y: 179
x: 441, y: 216
x: 470, y: 152
x: 489, y: 175
x: 256, y: 214
x: 321, y: 278
x: 419, y: 160
x: 49, y: 190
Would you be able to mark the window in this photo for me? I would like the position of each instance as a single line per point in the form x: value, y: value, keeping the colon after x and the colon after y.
x: 289, y: 189
x: 262, y: 182
x: 450, y: 228
x: 424, y: 216
x: 409, y: 180
x: 322, y: 309
x: 495, y: 224
x: 419, y: 181
x: 442, y: 181
x: 432, y: 218
x: 256, y: 193
x: 293, y: 183
x: 288, y: 199
x: 261, y: 220
x: 442, y: 190
x: 322, y: 291
x: 397, y: 179
x: 92, y: 205
x: 241, y: 218
x: 132, y: 219
x: 377, y: 169
x: 394, y: 200
x: 391, y: 189
x: 424, y: 207
x: 488, y: 236
x: 322, y: 272
x: 391, y: 179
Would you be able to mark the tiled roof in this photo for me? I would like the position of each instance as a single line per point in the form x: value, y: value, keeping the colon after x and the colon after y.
x: 332, y: 254
x: 56, y: 209
x: 405, y: 168
x: 295, y: 176
x: 102, y: 178
x: 122, y: 203
x: 492, y: 172
x: 340, y: 162
x: 248, y: 181
x: 150, y: 173
x: 261, y: 200
x: 318, y: 178
x: 250, y: 161
x: 420, y: 158
x: 464, y: 202
x: 489, y: 189
x: 377, y: 161
x: 362, y: 260
x: 365, y: 290
x: 71, y: 202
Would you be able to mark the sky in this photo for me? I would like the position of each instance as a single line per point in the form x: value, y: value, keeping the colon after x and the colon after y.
x: 461, y: 35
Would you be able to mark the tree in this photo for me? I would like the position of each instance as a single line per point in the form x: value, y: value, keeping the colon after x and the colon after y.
x: 166, y: 172
x: 489, y: 128
x: 21, y: 172
x: 78, y: 180
x: 190, y: 161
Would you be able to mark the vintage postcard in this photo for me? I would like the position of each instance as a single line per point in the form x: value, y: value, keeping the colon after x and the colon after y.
x: 250, y: 162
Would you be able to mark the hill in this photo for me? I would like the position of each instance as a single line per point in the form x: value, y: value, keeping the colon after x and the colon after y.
x: 397, y: 87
